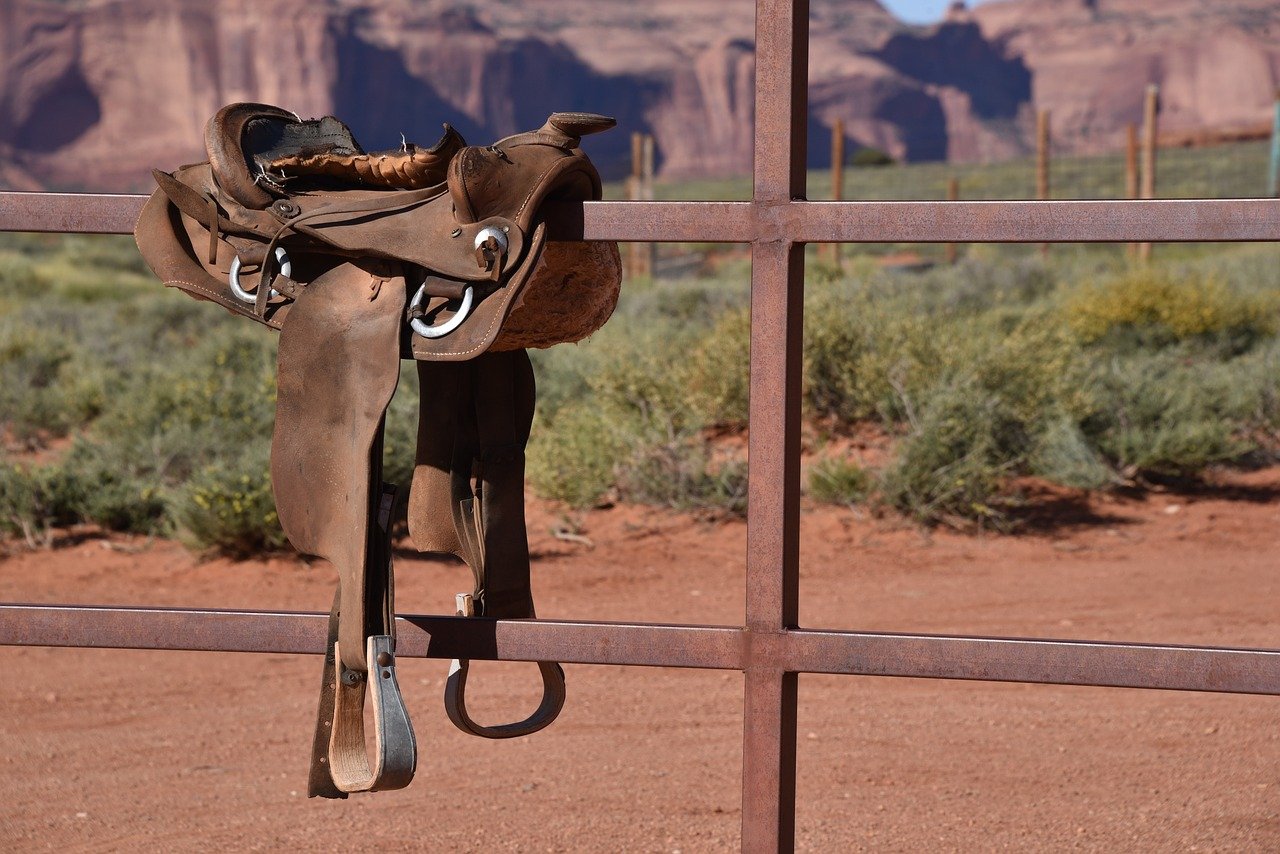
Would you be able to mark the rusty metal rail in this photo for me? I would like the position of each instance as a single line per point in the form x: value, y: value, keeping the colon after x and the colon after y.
x: 1056, y: 662
x: 771, y: 649
x: 800, y: 221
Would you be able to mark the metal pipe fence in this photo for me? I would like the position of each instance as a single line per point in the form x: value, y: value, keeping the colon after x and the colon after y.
x: 771, y: 649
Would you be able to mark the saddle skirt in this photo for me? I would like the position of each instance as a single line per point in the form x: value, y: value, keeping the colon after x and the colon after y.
x: 361, y: 260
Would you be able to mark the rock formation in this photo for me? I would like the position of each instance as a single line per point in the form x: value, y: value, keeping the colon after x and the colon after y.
x: 95, y: 92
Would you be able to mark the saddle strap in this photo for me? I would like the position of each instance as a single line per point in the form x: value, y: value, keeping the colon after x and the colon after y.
x: 473, y: 427
x: 339, y: 364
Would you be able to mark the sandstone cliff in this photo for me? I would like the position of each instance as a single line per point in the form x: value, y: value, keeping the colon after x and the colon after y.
x: 94, y: 92
x: 1217, y: 62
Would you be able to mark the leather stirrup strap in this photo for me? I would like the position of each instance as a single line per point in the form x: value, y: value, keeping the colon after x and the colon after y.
x: 484, y: 418
x: 339, y: 364
x: 320, y: 781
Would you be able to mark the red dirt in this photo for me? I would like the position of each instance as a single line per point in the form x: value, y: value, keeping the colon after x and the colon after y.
x: 109, y: 750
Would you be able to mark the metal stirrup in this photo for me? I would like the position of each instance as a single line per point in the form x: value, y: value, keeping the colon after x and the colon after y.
x: 395, y: 748
x: 455, y: 694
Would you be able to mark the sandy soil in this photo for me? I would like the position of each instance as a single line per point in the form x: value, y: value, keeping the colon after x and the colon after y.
x: 108, y: 750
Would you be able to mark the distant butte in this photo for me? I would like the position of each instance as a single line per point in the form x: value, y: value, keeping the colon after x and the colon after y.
x: 95, y: 93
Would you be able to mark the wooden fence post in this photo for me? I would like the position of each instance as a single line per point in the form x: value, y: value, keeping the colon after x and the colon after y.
x: 649, y: 250
x: 1131, y: 171
x: 1042, y: 162
x: 641, y: 256
x: 1150, y: 114
x: 953, y: 195
x: 1273, y: 182
x: 832, y: 250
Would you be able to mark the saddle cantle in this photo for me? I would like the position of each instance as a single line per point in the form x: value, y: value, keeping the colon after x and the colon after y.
x: 361, y: 259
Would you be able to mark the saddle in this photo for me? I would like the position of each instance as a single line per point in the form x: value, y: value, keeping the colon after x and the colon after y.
x: 361, y: 260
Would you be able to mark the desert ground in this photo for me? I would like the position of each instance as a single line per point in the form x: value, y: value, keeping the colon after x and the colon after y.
x: 107, y: 750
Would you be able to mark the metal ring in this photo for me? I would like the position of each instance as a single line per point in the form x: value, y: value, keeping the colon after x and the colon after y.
x: 425, y: 329
x: 496, y: 233
x: 233, y: 277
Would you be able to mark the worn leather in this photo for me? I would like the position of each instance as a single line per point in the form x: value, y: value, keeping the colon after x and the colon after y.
x: 331, y: 244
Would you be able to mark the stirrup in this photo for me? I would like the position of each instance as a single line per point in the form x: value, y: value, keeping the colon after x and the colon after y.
x: 395, y: 748
x: 455, y: 693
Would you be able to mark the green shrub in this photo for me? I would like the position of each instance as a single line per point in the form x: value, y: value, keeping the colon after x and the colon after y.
x: 1062, y: 454
x: 952, y: 464
x: 1153, y: 308
x: 719, y: 371
x: 838, y: 481
x: 861, y: 352
x: 111, y: 491
x: 35, y: 499
x: 572, y: 457
x: 864, y: 157
x: 228, y: 507
x: 677, y: 471
x: 19, y: 506
x: 1162, y: 413
x: 978, y: 423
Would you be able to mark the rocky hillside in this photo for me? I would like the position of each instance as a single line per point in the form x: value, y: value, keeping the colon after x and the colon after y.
x: 1217, y: 62
x: 94, y: 92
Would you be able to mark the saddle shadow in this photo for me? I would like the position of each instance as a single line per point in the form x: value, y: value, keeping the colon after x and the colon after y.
x: 460, y: 637
x: 1198, y: 487
x: 1056, y: 513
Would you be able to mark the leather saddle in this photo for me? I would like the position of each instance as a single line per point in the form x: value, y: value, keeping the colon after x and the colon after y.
x: 360, y: 260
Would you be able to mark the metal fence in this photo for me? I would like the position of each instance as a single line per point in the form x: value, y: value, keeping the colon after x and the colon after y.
x: 771, y: 649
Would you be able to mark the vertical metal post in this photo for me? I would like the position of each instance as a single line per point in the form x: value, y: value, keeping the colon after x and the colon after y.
x: 773, y: 505
x: 953, y: 195
x: 1150, y: 131
x: 1273, y: 180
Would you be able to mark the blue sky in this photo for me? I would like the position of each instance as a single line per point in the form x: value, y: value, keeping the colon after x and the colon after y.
x: 919, y: 11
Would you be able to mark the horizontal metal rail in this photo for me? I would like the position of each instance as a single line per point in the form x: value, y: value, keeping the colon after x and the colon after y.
x: 1059, y: 662
x: 1163, y: 221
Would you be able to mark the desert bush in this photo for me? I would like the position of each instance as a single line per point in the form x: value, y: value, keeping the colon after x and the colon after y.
x: 677, y: 471
x: 718, y: 371
x: 953, y: 462
x: 228, y: 507
x: 110, y: 491
x: 1062, y: 454
x: 34, y: 499
x: 861, y: 352
x: 1163, y: 413
x: 977, y: 424
x: 834, y: 480
x: 869, y: 156
x: 1151, y: 307
x: 573, y: 455
x: 213, y: 401
x: 30, y: 365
